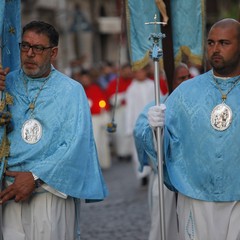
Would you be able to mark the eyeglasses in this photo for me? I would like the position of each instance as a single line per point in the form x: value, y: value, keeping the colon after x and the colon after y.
x: 37, y: 49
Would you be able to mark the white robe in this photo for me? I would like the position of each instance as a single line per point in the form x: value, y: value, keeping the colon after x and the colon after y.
x: 24, y: 220
x: 170, y: 202
x: 122, y: 142
x: 101, y: 137
x: 202, y: 220
x: 138, y: 95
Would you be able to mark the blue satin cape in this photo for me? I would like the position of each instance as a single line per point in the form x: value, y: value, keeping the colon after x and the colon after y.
x: 201, y: 162
x: 65, y: 157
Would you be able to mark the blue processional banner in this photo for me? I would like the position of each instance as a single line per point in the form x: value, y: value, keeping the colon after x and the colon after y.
x: 138, y: 12
x: 188, y: 29
x: 188, y: 26
x: 10, y: 33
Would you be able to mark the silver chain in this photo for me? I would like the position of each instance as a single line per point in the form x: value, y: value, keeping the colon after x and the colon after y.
x: 32, y: 103
x: 224, y: 95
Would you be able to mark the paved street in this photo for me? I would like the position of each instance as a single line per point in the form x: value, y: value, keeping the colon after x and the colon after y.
x: 124, y: 214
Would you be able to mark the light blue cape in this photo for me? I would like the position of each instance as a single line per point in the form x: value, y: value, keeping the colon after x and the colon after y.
x: 65, y: 158
x: 201, y: 162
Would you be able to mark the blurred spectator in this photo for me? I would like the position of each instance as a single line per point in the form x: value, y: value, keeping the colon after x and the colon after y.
x: 108, y: 73
x: 181, y: 73
x: 121, y: 141
x: 99, y: 107
x: 75, y: 66
x: 194, y: 69
x: 162, y: 81
x: 139, y: 93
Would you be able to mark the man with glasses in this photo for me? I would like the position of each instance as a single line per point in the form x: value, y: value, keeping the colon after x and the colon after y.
x: 37, y: 49
x: 53, y: 160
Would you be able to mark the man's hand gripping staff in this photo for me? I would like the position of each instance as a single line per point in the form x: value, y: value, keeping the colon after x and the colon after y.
x: 156, y: 116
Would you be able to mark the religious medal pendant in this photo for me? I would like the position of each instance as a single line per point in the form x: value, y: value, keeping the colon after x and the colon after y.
x: 31, y: 129
x: 221, y: 116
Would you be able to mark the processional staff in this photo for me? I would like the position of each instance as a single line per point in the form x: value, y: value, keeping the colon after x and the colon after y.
x: 155, y: 53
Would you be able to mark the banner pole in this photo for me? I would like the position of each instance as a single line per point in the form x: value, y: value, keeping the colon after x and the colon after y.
x: 155, y: 54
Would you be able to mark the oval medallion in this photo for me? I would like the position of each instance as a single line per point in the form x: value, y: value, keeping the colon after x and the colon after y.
x: 221, y: 117
x: 31, y: 131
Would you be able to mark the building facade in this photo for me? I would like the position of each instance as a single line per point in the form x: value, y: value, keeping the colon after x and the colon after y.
x: 90, y: 30
x: 93, y: 31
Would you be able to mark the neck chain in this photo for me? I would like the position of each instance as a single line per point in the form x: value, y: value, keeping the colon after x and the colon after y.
x: 224, y: 95
x: 221, y: 116
x: 32, y: 105
x: 32, y: 129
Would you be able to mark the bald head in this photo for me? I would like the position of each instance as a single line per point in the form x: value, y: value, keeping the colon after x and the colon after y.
x: 228, y: 23
x: 223, y: 47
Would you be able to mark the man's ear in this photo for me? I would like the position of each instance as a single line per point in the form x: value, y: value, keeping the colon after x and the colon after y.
x: 54, y: 53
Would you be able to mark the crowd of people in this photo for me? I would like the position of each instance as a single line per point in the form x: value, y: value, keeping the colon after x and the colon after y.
x: 124, y: 93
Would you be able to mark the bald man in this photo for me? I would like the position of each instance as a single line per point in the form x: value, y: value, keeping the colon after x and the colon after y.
x: 201, y: 121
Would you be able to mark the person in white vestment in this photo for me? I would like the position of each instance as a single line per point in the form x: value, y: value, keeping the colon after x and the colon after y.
x: 53, y: 162
x: 181, y: 74
x: 201, y: 141
x: 139, y: 93
x: 116, y: 92
x: 99, y: 108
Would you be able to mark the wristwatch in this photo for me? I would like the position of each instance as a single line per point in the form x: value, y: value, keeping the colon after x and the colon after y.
x: 38, y: 182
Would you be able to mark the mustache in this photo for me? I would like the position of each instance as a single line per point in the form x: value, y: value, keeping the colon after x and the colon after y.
x: 29, y: 62
x: 216, y: 55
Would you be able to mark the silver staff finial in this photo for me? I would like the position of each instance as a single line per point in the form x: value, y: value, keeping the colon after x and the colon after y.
x: 156, y: 52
